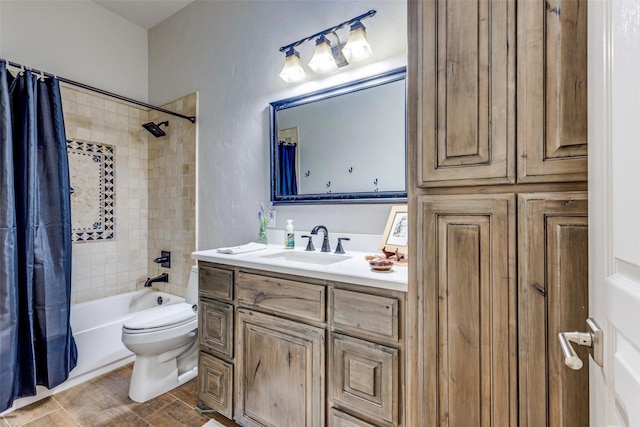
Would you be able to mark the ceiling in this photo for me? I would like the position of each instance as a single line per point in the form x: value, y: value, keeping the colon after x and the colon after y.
x: 145, y: 13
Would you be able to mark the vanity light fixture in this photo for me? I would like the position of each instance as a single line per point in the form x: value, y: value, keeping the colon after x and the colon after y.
x: 327, y: 58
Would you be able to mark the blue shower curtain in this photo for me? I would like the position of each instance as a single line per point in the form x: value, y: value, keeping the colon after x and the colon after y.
x: 287, y: 181
x: 36, y: 344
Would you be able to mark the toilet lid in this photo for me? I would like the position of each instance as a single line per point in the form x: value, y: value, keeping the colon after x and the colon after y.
x: 162, y: 317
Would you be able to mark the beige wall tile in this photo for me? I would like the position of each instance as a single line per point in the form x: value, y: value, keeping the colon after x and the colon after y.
x: 155, y: 195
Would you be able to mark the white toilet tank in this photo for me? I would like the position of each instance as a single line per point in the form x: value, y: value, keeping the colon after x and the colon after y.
x: 192, y: 286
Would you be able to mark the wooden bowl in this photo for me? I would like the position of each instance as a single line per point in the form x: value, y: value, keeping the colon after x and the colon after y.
x: 381, y: 264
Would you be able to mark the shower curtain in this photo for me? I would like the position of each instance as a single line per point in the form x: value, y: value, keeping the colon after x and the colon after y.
x: 36, y: 344
x: 287, y: 180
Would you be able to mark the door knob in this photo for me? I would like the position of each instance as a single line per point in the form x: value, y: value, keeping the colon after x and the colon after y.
x: 591, y: 339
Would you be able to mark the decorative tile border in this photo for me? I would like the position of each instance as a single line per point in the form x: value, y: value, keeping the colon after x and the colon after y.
x: 91, y: 167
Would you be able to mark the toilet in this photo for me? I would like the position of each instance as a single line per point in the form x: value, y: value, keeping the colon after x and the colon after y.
x: 165, y: 342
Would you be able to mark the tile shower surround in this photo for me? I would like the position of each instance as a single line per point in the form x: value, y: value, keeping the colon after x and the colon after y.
x: 109, y: 267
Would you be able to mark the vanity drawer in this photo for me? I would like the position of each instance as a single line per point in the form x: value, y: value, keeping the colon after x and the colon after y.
x: 363, y: 377
x: 340, y: 419
x: 215, y: 384
x: 370, y: 316
x: 215, y: 282
x: 283, y: 296
x: 216, y: 327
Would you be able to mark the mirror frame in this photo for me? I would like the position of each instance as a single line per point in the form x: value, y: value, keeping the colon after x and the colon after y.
x: 357, y: 197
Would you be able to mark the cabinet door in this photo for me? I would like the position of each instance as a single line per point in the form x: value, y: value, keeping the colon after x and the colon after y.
x: 553, y: 298
x: 281, y: 366
x: 465, y: 75
x: 215, y: 384
x: 364, y: 377
x: 467, y: 256
x: 216, y: 327
x: 552, y: 90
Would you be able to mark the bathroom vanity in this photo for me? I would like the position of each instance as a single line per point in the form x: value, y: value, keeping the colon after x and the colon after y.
x: 293, y: 338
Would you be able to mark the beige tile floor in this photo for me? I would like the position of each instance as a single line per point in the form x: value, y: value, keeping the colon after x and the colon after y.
x: 104, y: 401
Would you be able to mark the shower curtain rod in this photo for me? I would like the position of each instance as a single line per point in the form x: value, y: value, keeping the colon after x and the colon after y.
x: 192, y: 119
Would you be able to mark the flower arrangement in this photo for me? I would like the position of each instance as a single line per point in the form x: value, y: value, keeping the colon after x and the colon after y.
x: 264, y: 218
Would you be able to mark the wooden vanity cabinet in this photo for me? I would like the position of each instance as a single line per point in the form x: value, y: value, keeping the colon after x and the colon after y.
x: 300, y: 351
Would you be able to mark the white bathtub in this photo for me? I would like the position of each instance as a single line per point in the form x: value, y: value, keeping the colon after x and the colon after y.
x: 97, y: 329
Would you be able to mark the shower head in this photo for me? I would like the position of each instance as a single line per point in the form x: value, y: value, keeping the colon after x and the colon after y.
x: 155, y: 128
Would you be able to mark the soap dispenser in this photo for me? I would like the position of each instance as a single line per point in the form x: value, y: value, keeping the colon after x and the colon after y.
x: 289, y: 239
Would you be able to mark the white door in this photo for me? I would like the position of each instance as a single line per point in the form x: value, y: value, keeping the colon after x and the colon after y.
x: 614, y: 208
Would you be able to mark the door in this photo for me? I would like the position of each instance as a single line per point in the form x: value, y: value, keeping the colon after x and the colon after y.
x: 614, y: 208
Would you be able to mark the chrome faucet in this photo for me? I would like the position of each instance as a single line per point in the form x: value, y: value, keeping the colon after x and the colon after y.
x: 164, y: 277
x: 325, y: 241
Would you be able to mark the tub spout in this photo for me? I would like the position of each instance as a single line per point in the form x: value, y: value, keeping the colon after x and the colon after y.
x: 164, y: 277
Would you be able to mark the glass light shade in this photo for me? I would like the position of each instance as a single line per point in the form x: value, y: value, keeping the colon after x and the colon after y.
x: 357, y: 48
x: 322, y: 60
x: 292, y: 71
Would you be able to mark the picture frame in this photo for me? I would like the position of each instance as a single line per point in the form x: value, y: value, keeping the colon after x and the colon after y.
x: 396, y: 235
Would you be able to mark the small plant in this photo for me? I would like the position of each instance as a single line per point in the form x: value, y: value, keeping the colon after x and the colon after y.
x: 264, y: 218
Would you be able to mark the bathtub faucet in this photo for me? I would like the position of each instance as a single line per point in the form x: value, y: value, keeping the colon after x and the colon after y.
x: 164, y: 277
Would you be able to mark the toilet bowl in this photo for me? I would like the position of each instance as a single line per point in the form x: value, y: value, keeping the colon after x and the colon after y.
x: 165, y: 342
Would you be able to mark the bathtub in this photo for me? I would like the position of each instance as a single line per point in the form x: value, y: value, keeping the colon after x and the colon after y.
x: 97, y: 329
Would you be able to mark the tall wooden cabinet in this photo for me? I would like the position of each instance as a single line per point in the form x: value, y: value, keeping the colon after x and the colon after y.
x: 497, y: 196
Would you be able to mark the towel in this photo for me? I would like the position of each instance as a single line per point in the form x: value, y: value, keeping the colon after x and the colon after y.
x: 213, y: 423
x: 249, y: 247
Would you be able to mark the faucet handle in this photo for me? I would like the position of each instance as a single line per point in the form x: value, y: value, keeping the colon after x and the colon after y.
x: 339, y: 249
x: 310, y: 247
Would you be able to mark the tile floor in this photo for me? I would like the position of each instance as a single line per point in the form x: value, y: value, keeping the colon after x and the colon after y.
x: 104, y: 401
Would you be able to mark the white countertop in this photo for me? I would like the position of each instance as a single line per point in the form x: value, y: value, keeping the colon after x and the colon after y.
x: 354, y: 270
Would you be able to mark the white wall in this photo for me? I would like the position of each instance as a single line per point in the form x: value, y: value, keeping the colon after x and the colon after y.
x: 78, y: 40
x: 228, y: 51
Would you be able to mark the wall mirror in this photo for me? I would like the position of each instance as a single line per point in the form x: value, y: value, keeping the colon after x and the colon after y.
x: 342, y: 144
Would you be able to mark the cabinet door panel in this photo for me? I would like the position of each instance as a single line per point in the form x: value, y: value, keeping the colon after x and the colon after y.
x: 215, y: 384
x: 468, y: 273
x: 553, y: 297
x: 340, y: 419
x: 216, y: 327
x: 280, y: 381
x: 364, y: 377
x: 552, y: 90
x: 466, y: 107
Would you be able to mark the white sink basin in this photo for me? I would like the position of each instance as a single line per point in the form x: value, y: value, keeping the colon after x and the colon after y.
x: 319, y: 258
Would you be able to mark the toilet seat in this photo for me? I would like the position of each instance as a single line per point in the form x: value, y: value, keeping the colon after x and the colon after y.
x: 160, y: 318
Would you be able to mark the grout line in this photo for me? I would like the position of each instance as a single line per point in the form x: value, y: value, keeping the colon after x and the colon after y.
x: 67, y: 412
x: 9, y: 424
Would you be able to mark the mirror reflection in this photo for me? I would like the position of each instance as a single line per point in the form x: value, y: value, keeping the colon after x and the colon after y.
x: 346, y: 143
